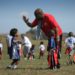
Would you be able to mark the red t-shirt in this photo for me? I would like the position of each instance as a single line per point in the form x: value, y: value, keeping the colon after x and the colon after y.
x: 48, y: 23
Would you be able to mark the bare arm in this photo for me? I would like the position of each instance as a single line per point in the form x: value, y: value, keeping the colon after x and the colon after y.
x: 56, y: 32
x: 27, y: 21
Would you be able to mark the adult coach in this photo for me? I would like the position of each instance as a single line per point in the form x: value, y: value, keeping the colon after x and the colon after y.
x: 46, y: 23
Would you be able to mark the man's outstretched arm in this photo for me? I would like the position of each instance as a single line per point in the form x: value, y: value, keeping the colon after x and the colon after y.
x: 27, y: 21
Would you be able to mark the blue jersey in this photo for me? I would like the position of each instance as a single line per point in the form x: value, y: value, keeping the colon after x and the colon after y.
x: 15, y: 50
x: 51, y: 43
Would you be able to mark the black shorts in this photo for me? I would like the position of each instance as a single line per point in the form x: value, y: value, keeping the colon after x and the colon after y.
x: 0, y: 52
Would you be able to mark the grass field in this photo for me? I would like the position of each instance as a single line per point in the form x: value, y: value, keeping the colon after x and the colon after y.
x: 34, y: 67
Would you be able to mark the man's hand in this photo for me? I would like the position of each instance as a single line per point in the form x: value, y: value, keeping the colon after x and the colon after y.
x: 25, y: 19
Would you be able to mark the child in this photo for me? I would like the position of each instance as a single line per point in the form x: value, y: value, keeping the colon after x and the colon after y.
x: 70, y: 46
x: 1, y: 48
x: 31, y: 53
x: 42, y: 49
x: 27, y: 46
x: 14, y: 48
x: 53, y: 61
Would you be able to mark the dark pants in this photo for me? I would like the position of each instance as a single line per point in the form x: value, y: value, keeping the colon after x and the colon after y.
x: 10, y: 52
x: 15, y: 61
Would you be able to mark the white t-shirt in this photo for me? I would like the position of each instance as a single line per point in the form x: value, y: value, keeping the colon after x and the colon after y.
x: 1, y: 46
x: 70, y: 42
x: 9, y: 38
x: 42, y: 47
x: 27, y: 42
x: 20, y: 46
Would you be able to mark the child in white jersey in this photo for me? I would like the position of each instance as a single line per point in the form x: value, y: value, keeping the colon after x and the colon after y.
x: 70, y: 47
x: 42, y: 49
x: 14, y: 48
x: 31, y: 53
x: 27, y: 46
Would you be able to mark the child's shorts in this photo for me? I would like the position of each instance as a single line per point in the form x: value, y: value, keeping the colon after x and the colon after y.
x: 68, y: 50
x: 68, y: 57
x: 0, y: 52
x: 41, y: 53
x: 72, y: 52
x: 26, y: 50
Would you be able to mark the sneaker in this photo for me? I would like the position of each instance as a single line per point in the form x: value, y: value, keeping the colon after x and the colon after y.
x: 73, y: 62
x: 9, y: 66
x: 14, y: 67
x: 58, y: 66
x: 25, y: 58
x: 54, y: 69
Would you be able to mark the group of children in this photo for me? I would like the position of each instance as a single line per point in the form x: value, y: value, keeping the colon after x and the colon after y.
x: 14, y: 45
x: 54, y: 50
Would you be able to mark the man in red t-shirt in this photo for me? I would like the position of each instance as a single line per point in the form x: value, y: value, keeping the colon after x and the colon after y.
x: 48, y: 23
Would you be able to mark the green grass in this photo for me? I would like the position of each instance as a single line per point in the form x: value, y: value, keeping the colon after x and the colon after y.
x: 35, y: 67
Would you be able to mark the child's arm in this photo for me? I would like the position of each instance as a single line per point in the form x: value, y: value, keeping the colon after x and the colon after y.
x: 74, y: 46
x: 1, y: 47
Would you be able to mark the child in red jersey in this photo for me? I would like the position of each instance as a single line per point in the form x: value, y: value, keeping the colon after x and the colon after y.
x: 53, y: 61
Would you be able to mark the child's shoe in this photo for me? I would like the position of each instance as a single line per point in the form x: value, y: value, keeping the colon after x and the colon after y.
x: 14, y: 66
x: 9, y: 66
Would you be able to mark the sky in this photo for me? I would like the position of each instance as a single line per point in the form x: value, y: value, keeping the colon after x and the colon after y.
x: 11, y: 12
